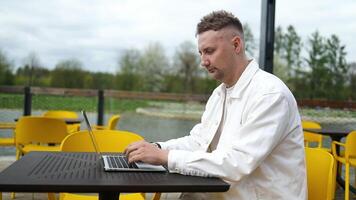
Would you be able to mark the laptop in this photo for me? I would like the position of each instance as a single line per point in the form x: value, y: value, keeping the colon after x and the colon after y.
x: 119, y: 162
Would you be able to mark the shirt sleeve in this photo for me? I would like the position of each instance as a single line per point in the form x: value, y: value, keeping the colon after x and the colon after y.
x: 265, y: 127
x: 192, y: 142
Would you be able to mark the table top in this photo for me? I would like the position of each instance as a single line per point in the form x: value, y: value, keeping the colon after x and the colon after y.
x: 335, y: 134
x: 67, y: 120
x: 325, y: 131
x: 73, y: 120
x: 84, y: 172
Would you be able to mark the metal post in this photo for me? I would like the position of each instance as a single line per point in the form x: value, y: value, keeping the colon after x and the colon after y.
x: 27, y: 101
x: 100, y: 107
x: 267, y: 35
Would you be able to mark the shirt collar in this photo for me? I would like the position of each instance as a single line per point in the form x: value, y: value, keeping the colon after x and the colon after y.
x: 243, y: 81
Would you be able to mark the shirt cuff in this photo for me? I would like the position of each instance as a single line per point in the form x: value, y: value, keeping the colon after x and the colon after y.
x: 176, y: 160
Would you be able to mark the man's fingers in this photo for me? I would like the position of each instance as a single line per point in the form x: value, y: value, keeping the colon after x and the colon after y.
x: 132, y: 147
x: 134, y: 156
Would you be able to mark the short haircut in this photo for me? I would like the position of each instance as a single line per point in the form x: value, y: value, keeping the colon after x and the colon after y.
x: 217, y: 20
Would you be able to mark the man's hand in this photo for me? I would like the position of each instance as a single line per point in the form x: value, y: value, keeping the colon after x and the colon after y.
x: 146, y: 152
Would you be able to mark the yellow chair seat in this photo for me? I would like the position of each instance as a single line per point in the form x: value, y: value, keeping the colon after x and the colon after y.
x: 326, y: 149
x: 320, y: 166
x: 71, y: 196
x: 33, y: 147
x: 7, y: 141
x: 6, y: 125
x: 352, y: 161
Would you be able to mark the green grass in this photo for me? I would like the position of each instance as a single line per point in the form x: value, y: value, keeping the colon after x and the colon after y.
x: 50, y: 102
x: 326, y: 112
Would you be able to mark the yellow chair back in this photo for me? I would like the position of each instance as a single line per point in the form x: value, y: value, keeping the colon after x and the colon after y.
x: 310, y: 137
x: 113, y: 122
x: 319, y: 173
x: 40, y: 130
x: 350, y: 146
x: 64, y: 114
x: 108, y: 141
x: 61, y: 114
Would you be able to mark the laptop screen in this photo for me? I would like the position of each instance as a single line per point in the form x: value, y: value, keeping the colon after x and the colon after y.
x: 92, y: 136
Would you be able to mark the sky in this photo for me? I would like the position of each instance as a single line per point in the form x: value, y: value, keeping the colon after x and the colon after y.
x: 96, y: 32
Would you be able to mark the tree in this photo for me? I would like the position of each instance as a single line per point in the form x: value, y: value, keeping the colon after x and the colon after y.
x: 319, y: 76
x: 101, y: 80
x: 352, y: 85
x: 127, y: 77
x: 41, y: 76
x: 153, y: 65
x: 278, y: 41
x: 69, y: 74
x: 129, y: 62
x: 336, y: 57
x: 32, y: 63
x: 292, y: 45
x: 250, y: 45
x: 287, y: 54
x: 6, y: 75
x: 186, y: 62
x: 280, y: 67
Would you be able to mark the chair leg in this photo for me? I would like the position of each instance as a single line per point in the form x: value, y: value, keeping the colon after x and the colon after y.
x: 156, y: 196
x: 354, y: 177
x: 347, y: 181
x: 333, y: 182
x: 51, y: 196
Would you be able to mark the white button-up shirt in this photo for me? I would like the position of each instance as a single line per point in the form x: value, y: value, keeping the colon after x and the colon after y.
x: 260, y: 151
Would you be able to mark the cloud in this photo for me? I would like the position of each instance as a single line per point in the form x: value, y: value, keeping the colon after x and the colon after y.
x: 96, y: 31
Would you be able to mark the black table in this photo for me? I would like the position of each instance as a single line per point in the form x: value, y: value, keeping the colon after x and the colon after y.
x: 66, y: 120
x: 335, y: 135
x: 84, y: 173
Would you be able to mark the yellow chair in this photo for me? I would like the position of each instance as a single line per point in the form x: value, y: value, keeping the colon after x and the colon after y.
x: 36, y: 133
x: 348, y: 158
x: 108, y: 141
x: 310, y: 137
x: 7, y: 141
x: 39, y: 134
x: 111, y: 123
x: 64, y: 114
x: 320, y: 166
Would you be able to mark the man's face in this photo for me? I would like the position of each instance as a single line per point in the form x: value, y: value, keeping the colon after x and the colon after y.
x: 217, y: 54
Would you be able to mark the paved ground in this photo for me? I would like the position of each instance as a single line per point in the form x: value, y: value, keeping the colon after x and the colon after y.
x: 6, y: 161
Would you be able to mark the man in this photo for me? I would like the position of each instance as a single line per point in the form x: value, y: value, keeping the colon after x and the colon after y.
x: 250, y: 133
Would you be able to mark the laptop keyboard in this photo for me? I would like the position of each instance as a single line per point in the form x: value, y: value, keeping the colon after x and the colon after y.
x: 120, y: 162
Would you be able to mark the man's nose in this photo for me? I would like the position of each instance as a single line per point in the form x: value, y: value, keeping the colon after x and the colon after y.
x: 204, y: 62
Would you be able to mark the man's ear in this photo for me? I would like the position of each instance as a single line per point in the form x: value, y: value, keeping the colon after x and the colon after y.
x: 237, y: 43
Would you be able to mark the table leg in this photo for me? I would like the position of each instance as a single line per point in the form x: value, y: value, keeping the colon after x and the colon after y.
x: 109, y: 195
